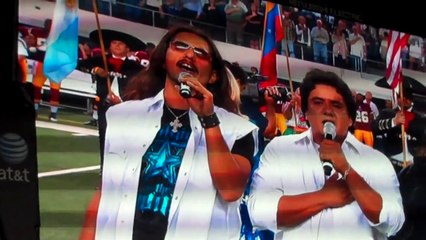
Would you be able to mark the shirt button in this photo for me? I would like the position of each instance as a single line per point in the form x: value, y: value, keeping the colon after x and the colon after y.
x: 156, y: 126
x: 122, y: 221
x: 144, y: 145
x: 176, y: 198
x: 125, y: 195
x: 185, y: 174
x: 196, y: 128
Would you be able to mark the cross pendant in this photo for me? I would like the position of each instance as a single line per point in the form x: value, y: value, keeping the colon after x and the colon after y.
x: 175, y: 125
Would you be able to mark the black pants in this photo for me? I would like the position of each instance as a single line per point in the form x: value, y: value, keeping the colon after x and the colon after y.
x: 102, y: 125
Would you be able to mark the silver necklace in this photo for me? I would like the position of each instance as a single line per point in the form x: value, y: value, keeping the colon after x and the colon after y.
x: 176, y: 124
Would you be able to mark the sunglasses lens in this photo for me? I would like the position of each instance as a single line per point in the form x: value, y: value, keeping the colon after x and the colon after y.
x: 182, y: 46
x: 201, y: 53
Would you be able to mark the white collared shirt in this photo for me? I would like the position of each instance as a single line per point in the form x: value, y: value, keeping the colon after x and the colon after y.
x: 290, y: 165
x: 196, y: 211
x: 374, y: 108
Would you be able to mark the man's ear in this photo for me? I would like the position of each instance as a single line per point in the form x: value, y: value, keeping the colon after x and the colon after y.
x: 350, y: 122
x: 213, y: 77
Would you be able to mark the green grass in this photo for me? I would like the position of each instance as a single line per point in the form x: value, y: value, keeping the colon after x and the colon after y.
x: 63, y: 202
x: 64, y: 199
x: 62, y: 150
x: 65, y: 116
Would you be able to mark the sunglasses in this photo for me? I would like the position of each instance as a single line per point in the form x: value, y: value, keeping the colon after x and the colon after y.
x: 183, y: 46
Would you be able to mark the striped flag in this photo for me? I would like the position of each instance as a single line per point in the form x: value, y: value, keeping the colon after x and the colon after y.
x: 62, y: 44
x: 396, y: 42
x: 273, y: 33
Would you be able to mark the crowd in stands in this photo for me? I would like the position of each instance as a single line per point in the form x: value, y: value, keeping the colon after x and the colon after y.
x: 309, y: 35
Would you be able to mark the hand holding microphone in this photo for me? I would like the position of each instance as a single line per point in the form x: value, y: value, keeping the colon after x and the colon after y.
x: 332, y: 156
x: 330, y: 134
x: 185, y: 90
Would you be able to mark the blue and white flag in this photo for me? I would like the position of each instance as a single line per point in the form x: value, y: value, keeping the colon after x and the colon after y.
x: 62, y: 44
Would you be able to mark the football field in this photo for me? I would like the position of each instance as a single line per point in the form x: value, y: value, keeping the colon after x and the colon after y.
x: 68, y: 167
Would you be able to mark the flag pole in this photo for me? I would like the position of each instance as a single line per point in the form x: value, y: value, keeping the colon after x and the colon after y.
x: 290, y: 81
x: 101, y: 43
x: 403, y: 135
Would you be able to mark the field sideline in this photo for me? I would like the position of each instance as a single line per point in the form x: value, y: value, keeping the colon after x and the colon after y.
x: 68, y: 166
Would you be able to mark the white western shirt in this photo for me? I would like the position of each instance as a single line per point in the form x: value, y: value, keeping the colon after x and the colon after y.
x: 196, y: 211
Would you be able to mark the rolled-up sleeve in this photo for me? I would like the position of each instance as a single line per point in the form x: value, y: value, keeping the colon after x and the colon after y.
x: 385, y: 182
x: 266, y: 190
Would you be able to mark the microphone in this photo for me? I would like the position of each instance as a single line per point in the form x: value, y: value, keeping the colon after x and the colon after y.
x: 329, y: 133
x: 329, y: 130
x: 185, y: 90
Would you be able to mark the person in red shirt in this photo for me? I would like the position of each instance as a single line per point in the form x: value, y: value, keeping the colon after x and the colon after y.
x: 36, y: 38
x: 363, y: 120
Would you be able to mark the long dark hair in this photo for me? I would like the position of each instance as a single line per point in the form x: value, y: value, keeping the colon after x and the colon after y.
x: 149, y: 82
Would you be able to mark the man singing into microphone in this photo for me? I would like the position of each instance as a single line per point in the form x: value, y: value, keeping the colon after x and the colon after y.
x: 291, y: 194
x: 176, y: 167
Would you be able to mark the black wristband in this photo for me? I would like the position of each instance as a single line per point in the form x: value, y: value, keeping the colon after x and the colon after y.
x: 209, y: 121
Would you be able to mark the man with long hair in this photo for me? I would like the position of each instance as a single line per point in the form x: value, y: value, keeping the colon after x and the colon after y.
x: 176, y: 167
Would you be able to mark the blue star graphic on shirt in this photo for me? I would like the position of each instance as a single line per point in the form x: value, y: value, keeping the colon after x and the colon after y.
x: 163, y: 163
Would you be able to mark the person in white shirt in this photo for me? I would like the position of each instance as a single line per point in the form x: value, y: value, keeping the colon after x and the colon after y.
x: 22, y: 57
x: 176, y: 165
x: 369, y: 100
x: 358, y: 54
x: 295, y: 197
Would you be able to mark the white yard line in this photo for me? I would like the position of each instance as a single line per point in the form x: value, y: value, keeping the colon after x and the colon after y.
x: 72, y: 129
x: 68, y: 171
x: 67, y: 128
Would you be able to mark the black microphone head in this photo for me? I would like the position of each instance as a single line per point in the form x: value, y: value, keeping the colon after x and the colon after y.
x: 329, y: 130
x: 328, y: 168
x: 185, y: 90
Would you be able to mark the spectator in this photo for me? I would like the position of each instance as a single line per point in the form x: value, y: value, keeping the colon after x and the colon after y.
x: 304, y: 39
x: 169, y: 11
x: 415, y: 52
x: 214, y: 14
x: 320, y: 39
x: 340, y: 49
x: 235, y: 11
x: 358, y: 49
x: 254, y: 26
x: 289, y: 29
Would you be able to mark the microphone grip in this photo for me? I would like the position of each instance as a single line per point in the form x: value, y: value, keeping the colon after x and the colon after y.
x: 328, y: 136
x: 185, y: 90
x: 327, y: 165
